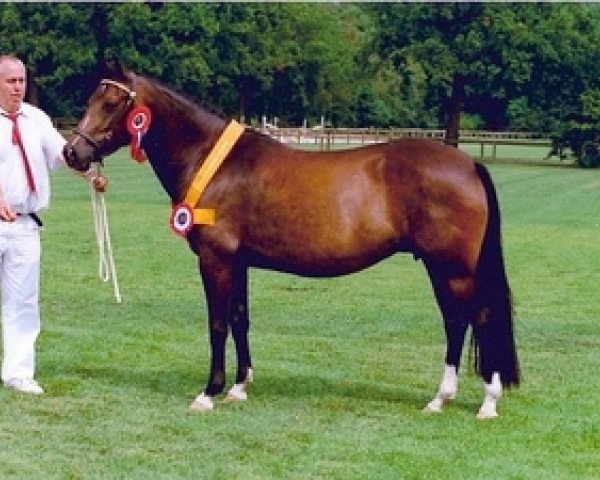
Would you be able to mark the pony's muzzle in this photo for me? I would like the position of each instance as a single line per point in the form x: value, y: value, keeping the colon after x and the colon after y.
x: 76, y: 161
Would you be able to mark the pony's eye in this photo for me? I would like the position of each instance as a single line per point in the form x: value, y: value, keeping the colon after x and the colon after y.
x: 109, y: 107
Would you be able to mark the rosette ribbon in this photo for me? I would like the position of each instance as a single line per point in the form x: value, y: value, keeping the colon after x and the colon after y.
x: 138, y: 124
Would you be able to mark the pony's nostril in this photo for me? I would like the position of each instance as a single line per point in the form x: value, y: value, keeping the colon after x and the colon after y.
x: 69, y: 155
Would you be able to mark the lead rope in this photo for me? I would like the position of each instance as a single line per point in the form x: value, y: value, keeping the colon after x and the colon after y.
x: 106, y: 261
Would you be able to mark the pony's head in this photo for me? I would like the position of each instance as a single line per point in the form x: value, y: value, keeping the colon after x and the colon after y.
x: 103, y: 128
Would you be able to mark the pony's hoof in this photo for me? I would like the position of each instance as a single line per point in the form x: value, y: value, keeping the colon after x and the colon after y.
x: 438, y: 403
x: 431, y: 409
x: 237, y: 393
x: 234, y: 399
x: 435, y: 406
x: 486, y: 414
x: 202, y: 403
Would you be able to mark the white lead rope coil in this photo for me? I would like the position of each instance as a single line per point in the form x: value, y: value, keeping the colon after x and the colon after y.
x: 106, y: 261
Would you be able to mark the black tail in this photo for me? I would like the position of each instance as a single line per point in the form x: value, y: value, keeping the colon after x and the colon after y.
x: 493, y: 323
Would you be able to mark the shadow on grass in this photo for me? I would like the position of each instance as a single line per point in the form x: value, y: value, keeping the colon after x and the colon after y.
x: 311, y: 386
x: 293, y: 386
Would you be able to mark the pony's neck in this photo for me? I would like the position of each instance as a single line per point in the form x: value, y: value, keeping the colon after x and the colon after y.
x: 179, y: 139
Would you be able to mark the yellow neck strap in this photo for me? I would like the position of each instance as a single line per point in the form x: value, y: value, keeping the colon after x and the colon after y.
x: 185, y: 214
x: 213, y: 161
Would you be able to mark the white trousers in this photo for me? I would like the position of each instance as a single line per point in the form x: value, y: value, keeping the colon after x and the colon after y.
x: 20, y: 252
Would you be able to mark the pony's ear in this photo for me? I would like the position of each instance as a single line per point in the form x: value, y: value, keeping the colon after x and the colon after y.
x: 122, y: 70
x: 114, y: 69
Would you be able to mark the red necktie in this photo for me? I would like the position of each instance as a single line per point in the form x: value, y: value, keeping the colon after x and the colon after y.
x: 17, y: 140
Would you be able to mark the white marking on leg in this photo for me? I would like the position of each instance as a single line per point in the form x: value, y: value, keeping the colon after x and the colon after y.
x: 447, y: 390
x: 202, y: 403
x: 238, y: 393
x: 493, y: 392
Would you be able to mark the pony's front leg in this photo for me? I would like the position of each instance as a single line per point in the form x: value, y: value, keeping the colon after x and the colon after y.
x: 239, y: 319
x: 217, y: 280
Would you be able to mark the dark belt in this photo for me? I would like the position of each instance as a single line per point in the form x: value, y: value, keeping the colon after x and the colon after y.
x: 34, y: 217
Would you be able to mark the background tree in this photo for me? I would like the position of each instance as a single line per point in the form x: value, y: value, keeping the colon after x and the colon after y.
x: 55, y: 43
x: 442, y: 39
x: 463, y: 49
x: 283, y: 60
x: 505, y: 63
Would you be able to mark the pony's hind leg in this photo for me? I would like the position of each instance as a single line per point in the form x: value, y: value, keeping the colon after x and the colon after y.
x: 447, y: 390
x: 455, y: 314
x: 239, y: 319
x: 460, y: 305
x: 493, y: 392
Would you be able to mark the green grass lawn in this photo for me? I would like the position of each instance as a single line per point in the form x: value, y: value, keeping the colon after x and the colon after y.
x: 514, y: 153
x: 343, y: 366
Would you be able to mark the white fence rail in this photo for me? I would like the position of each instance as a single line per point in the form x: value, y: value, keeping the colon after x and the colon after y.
x: 326, y: 139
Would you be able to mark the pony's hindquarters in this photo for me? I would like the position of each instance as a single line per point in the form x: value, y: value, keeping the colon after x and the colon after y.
x: 470, y: 284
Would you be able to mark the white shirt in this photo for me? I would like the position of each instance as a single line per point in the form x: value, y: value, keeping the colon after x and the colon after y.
x: 43, y: 144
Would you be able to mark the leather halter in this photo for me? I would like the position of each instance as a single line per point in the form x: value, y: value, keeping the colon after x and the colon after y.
x: 121, y: 86
x: 87, y: 138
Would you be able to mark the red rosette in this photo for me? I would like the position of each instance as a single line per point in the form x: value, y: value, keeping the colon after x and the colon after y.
x: 182, y: 219
x: 138, y: 123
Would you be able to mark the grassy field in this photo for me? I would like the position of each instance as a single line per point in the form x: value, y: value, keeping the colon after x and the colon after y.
x: 343, y: 366
x: 514, y: 153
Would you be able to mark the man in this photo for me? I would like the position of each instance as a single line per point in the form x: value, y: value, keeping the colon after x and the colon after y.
x: 30, y: 146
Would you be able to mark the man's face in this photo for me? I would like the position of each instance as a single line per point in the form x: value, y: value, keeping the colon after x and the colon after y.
x: 12, y: 84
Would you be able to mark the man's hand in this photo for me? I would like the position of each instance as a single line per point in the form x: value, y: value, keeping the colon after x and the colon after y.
x: 6, y: 212
x: 100, y: 183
